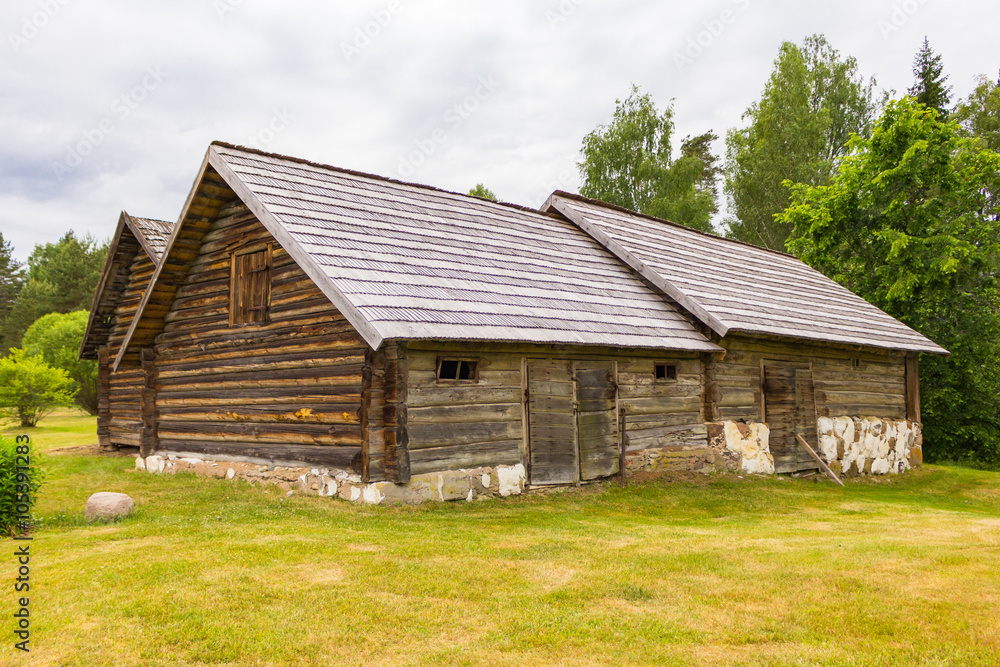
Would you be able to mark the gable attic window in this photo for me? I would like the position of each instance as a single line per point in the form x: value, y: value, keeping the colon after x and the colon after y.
x: 458, y: 370
x: 665, y: 372
x: 855, y: 364
x: 250, y: 288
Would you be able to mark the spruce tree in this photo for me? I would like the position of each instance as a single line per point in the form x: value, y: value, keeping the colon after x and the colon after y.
x: 929, y: 80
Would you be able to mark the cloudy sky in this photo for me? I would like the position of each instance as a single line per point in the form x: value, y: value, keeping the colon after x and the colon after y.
x: 110, y: 105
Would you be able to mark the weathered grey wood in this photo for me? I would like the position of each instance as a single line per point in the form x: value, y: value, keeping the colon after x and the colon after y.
x: 424, y: 435
x: 551, y: 440
x: 913, y: 388
x: 103, y: 398
x: 455, y: 457
x: 347, y: 458
x: 149, y: 435
x: 737, y: 287
x: 822, y: 464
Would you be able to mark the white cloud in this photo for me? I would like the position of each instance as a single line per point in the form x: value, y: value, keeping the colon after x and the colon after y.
x: 228, y: 75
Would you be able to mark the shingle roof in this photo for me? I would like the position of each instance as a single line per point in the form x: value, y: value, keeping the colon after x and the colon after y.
x: 152, y: 236
x: 155, y: 233
x: 735, y: 287
x: 404, y: 261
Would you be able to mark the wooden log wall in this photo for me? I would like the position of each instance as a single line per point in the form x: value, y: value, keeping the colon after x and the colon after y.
x: 662, y: 414
x: 876, y: 388
x: 468, y: 425
x: 463, y: 425
x: 126, y: 384
x: 289, y: 389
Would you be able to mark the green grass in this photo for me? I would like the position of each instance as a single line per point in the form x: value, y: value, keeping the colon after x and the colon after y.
x: 67, y: 427
x: 898, y: 571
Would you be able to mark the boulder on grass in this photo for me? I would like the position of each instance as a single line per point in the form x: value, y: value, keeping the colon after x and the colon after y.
x: 108, y: 506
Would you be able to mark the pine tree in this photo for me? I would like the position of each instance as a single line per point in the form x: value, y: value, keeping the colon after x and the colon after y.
x: 11, y: 280
x: 929, y: 83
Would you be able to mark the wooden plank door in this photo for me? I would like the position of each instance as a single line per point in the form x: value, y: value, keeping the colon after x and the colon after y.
x: 596, y: 418
x: 805, y: 419
x: 552, y: 442
x: 790, y: 409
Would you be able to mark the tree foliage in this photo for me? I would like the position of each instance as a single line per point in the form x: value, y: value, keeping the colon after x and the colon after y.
x: 929, y: 86
x: 30, y: 388
x: 629, y: 163
x: 811, y: 105
x: 62, y: 277
x: 56, y: 338
x: 11, y: 277
x: 482, y: 192
x: 979, y: 113
x: 909, y: 225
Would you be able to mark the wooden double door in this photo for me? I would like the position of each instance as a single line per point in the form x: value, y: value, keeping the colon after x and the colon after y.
x: 573, y: 430
x: 789, y: 410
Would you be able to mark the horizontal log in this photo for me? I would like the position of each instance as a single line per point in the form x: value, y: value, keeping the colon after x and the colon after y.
x: 640, y: 422
x: 295, y: 375
x: 347, y: 458
x: 299, y: 433
x: 464, y: 457
x: 315, y: 413
x: 860, y: 398
x: 193, y: 356
x: 748, y: 413
x: 731, y: 397
x: 694, y: 438
x: 264, y: 395
x: 487, y: 378
x: 432, y: 395
x: 662, y: 431
x: 542, y: 403
x: 435, y: 435
x: 255, y: 381
x: 662, y: 405
x: 219, y: 332
x: 119, y: 437
x: 486, y: 412
x: 264, y: 362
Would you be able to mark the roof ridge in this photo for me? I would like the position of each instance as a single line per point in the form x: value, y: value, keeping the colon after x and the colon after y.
x: 662, y: 221
x: 376, y: 177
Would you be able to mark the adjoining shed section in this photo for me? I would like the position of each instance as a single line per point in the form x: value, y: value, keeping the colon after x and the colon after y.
x: 387, y: 341
x: 798, y: 345
x: 135, y: 249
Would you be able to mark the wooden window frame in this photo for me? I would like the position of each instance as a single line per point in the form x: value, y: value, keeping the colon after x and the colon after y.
x: 666, y: 372
x: 240, y: 321
x: 855, y: 363
x: 475, y: 361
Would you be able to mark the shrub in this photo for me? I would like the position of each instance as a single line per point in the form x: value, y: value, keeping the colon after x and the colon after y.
x: 30, y: 388
x: 17, y: 488
x: 56, y: 338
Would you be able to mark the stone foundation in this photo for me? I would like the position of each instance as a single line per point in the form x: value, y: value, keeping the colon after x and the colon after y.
x: 732, y: 446
x: 743, y: 447
x: 468, y: 485
x: 678, y: 458
x: 868, y: 445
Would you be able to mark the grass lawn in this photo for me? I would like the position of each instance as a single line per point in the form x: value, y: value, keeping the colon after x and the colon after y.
x: 698, y: 571
x: 64, y: 428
